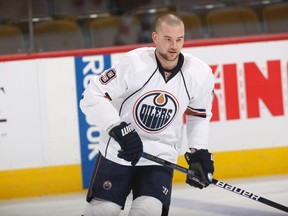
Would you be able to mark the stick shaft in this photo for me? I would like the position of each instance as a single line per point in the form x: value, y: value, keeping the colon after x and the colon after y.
x: 216, y: 182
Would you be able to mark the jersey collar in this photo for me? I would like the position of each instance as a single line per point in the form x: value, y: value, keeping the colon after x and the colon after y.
x: 174, y: 70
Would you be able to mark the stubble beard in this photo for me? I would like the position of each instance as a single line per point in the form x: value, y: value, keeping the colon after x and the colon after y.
x: 168, y: 58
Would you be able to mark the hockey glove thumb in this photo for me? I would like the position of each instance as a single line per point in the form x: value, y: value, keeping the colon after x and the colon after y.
x: 130, y: 142
x: 202, y: 164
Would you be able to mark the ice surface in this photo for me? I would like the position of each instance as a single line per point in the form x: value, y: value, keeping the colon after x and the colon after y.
x: 212, y: 201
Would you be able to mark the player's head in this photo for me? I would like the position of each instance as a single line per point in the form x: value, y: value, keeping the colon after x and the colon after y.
x: 168, y: 36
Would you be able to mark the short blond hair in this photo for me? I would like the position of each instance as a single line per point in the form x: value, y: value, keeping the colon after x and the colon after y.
x: 169, y: 19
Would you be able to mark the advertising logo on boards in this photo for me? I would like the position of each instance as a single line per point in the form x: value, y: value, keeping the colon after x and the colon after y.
x: 86, y: 67
x: 3, y: 118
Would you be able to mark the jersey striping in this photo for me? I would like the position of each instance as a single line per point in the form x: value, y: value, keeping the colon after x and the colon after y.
x: 140, y: 94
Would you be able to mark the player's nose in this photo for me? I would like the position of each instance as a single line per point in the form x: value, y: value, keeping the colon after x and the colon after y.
x: 173, y: 44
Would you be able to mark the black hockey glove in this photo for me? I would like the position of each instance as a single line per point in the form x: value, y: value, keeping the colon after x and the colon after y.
x: 130, y: 142
x: 201, y: 162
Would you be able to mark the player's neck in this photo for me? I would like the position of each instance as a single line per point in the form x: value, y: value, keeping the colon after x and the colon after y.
x: 166, y: 64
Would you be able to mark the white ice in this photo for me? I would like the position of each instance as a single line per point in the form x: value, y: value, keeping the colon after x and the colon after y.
x: 186, y: 201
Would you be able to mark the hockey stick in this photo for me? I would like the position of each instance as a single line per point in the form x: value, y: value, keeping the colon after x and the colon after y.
x: 216, y: 182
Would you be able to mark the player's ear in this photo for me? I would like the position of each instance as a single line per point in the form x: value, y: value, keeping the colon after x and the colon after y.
x: 154, y: 37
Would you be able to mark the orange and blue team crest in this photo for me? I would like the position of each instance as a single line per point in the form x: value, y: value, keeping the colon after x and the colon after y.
x: 155, y: 110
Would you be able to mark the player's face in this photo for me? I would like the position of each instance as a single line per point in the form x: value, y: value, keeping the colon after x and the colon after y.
x: 169, y: 42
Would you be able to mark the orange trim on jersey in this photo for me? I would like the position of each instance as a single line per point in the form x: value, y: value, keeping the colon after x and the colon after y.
x: 200, y: 113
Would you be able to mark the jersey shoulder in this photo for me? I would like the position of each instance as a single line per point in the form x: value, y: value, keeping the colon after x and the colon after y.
x: 140, y: 59
x: 193, y: 61
x: 196, y: 68
x: 142, y: 51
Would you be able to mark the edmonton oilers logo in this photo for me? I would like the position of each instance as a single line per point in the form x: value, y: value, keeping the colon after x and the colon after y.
x: 155, y: 110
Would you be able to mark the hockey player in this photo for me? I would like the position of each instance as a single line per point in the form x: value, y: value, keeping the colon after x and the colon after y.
x: 139, y: 104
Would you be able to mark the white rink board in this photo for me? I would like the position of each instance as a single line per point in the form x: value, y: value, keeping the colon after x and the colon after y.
x: 41, y: 112
x: 40, y: 106
x: 244, y: 133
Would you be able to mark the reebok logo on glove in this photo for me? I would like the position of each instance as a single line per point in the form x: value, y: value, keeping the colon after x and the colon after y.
x: 126, y: 130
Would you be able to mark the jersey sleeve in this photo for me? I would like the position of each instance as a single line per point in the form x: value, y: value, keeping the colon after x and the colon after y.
x: 115, y: 81
x: 97, y: 108
x: 198, y: 115
x: 101, y: 90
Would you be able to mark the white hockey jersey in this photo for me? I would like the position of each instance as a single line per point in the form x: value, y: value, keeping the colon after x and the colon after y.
x: 135, y: 90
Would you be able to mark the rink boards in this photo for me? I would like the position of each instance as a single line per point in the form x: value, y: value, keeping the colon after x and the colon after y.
x: 47, y: 146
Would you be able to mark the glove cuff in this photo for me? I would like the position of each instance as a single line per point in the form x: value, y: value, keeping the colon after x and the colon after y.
x: 113, y: 125
x: 115, y: 132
